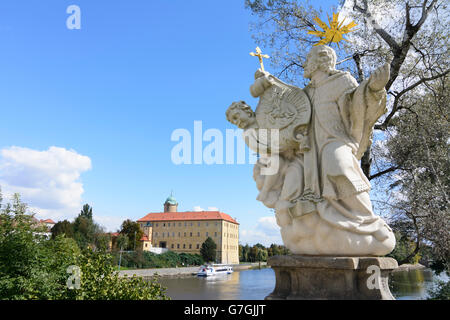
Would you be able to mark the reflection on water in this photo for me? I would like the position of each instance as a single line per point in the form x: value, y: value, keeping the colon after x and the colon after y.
x: 257, y: 284
x: 414, y: 284
x: 240, y: 285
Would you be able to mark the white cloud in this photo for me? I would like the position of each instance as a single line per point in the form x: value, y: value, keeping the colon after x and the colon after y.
x: 265, y: 232
x: 49, y: 181
x: 110, y: 223
x: 198, y: 209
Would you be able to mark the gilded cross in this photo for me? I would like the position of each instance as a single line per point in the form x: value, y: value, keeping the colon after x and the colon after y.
x: 260, y: 56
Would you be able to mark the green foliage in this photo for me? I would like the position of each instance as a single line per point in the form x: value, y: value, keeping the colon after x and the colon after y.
x: 62, y: 227
x: 275, y: 250
x: 208, y: 250
x: 34, y: 267
x: 134, y: 233
x: 100, y: 281
x: 122, y: 242
x: 101, y: 241
x: 403, y: 248
x: 438, y: 266
x: 86, y: 212
x: 188, y: 259
x: 144, y: 259
x: 31, y: 267
x: 260, y: 253
x: 418, y: 148
x: 441, y: 291
x: 87, y: 233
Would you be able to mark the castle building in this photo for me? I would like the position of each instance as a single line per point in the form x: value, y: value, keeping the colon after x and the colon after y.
x: 186, y: 231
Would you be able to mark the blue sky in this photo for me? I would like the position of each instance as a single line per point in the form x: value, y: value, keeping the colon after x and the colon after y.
x: 109, y: 96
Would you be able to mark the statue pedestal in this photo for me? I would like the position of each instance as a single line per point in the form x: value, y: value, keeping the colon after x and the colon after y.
x: 301, y: 277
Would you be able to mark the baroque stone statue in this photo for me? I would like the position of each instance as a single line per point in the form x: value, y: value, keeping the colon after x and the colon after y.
x: 319, y: 192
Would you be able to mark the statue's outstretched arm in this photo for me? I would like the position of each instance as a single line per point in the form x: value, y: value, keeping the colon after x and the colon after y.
x: 380, y: 77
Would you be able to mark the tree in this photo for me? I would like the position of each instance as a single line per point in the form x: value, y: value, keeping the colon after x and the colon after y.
x: 62, y: 227
x: 409, y: 158
x: 133, y: 232
x: 86, y: 212
x: 418, y: 196
x: 415, y: 40
x: 275, y: 250
x: 102, y: 241
x: 31, y: 267
x: 100, y: 281
x: 208, y: 250
x: 122, y: 241
x: 243, y: 253
x: 34, y: 267
x: 85, y: 231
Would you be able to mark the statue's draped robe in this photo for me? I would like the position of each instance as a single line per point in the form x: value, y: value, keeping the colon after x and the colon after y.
x: 331, y: 180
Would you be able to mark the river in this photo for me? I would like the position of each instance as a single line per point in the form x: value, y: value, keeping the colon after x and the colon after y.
x: 257, y: 284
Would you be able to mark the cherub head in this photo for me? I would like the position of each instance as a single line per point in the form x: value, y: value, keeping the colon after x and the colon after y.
x: 321, y: 58
x: 241, y: 115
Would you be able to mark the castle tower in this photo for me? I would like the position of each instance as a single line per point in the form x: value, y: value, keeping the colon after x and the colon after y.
x: 171, y: 204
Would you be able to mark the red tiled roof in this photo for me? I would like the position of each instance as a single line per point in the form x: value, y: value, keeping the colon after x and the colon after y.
x: 144, y: 238
x: 114, y: 234
x: 188, y: 215
x: 48, y: 221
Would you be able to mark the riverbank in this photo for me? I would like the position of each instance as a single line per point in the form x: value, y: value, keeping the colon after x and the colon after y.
x: 182, y: 272
x: 409, y: 267
x: 189, y: 271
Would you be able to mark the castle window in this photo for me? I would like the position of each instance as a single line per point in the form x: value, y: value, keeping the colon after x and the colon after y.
x: 198, y: 234
x: 172, y: 245
x: 191, y: 234
x: 190, y: 246
x: 198, y: 246
x: 207, y: 234
x: 198, y: 224
x: 184, y: 246
x: 178, y: 246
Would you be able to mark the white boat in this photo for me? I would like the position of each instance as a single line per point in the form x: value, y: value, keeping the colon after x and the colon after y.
x: 214, y: 269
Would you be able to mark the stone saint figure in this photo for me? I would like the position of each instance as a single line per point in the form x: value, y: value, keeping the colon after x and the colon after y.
x: 319, y: 192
